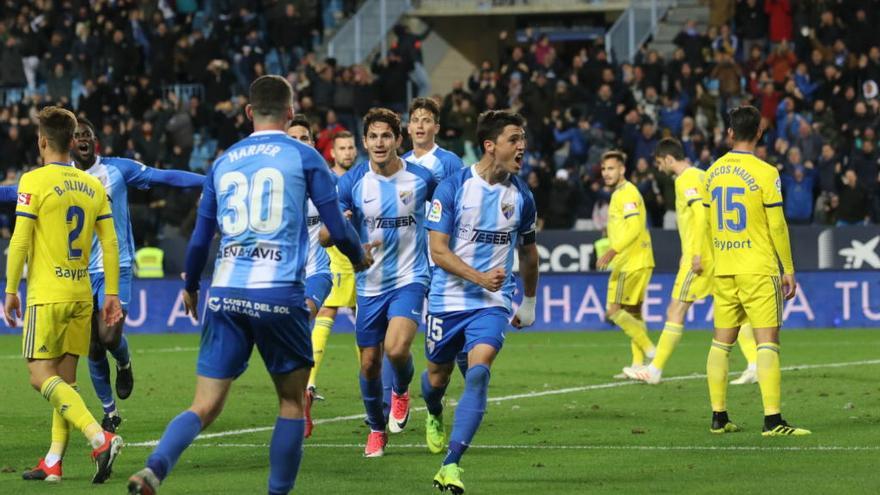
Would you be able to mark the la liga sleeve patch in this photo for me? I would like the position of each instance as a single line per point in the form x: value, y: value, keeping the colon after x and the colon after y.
x: 436, y: 211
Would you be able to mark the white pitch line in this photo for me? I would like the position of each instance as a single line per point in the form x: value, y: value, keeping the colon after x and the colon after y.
x: 527, y: 395
x: 742, y: 448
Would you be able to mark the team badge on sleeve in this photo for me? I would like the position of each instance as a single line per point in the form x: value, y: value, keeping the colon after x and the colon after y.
x: 691, y: 192
x: 630, y: 207
x: 24, y: 199
x: 436, y: 211
x: 778, y: 185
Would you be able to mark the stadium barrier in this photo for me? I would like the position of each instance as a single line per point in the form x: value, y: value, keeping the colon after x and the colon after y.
x: 825, y: 299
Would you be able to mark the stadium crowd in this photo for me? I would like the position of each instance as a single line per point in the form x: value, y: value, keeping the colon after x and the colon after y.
x: 812, y: 68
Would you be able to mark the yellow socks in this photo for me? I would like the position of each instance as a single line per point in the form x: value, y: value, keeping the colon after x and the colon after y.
x: 769, y: 377
x: 634, y: 329
x: 747, y: 345
x: 72, y: 409
x: 320, y: 334
x: 716, y: 374
x: 60, y: 436
x: 668, y: 340
x: 638, y: 355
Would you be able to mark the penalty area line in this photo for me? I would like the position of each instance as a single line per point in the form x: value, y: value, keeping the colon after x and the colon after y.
x: 528, y: 395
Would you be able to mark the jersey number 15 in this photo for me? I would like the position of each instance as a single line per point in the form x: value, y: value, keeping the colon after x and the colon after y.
x: 726, y: 205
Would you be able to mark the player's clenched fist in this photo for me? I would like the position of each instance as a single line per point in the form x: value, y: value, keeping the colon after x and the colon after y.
x: 493, y: 280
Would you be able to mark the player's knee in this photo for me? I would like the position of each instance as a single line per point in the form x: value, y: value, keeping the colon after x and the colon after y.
x: 371, y: 366
x: 399, y: 355
x: 478, y: 377
x: 111, y: 338
x: 290, y: 407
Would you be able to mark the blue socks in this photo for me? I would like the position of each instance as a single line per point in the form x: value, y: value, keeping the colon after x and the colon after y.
x: 120, y: 354
x: 469, y: 413
x: 285, y: 454
x: 403, y: 377
x: 387, y: 384
x: 461, y: 360
x: 433, y: 396
x: 179, y: 433
x: 100, y: 372
x: 371, y: 392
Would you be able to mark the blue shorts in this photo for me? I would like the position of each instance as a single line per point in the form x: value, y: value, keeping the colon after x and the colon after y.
x: 124, y: 288
x: 276, y: 320
x: 450, y: 333
x: 374, y: 313
x: 318, y: 288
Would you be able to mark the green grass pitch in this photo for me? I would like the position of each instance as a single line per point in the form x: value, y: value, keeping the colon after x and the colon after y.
x: 556, y: 423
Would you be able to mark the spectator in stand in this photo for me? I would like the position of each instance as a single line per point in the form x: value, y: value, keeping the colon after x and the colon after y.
x: 751, y: 25
x: 854, y: 201
x: 691, y: 41
x: 565, y: 197
x: 797, y: 188
x: 779, y: 14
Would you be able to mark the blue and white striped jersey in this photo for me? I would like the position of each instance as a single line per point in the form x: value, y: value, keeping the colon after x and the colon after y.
x: 485, y: 223
x: 319, y: 260
x: 116, y: 174
x: 440, y: 162
x: 389, y: 210
x: 257, y: 192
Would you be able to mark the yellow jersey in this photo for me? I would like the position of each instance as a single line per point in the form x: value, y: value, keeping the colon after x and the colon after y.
x: 59, y: 209
x: 744, y: 197
x: 339, y: 263
x: 693, y: 228
x: 628, y: 229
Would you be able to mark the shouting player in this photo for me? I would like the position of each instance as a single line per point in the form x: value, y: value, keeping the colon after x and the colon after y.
x: 117, y: 175
x: 59, y: 208
x: 386, y: 196
x: 477, y: 218
x: 750, y: 240
x: 630, y: 257
x: 256, y: 192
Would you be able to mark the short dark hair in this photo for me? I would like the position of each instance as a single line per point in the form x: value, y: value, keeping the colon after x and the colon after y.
x: 57, y: 125
x: 379, y: 114
x: 270, y: 96
x: 428, y: 104
x: 342, y: 135
x: 669, y: 147
x: 86, y: 122
x: 301, y: 121
x: 745, y: 121
x: 491, y: 124
x: 614, y: 155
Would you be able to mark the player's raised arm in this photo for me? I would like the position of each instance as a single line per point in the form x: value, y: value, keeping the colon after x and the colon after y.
x: 322, y: 191
x: 176, y: 178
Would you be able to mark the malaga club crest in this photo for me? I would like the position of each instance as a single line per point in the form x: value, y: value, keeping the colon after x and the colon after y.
x: 406, y: 197
x: 507, y: 210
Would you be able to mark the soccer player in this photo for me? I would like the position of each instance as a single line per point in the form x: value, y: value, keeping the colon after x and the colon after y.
x: 342, y: 293
x: 386, y: 196
x: 256, y: 192
x: 750, y: 240
x: 423, y: 126
x: 630, y: 257
x: 694, y: 279
x: 59, y: 207
x: 318, y: 280
x: 117, y: 175
x: 477, y: 218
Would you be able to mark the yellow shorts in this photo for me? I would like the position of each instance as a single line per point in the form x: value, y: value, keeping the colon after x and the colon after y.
x: 343, y: 293
x: 690, y: 287
x: 54, y: 329
x: 628, y: 288
x: 756, y: 298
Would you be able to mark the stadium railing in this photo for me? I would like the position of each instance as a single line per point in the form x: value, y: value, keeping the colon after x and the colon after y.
x: 634, y: 27
x: 364, y: 31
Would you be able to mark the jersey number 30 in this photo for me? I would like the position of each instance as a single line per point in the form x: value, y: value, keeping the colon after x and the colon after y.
x: 726, y: 205
x: 257, y: 205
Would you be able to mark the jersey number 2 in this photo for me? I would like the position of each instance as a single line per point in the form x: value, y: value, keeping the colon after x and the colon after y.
x: 726, y: 204
x: 258, y: 204
x: 77, y: 217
